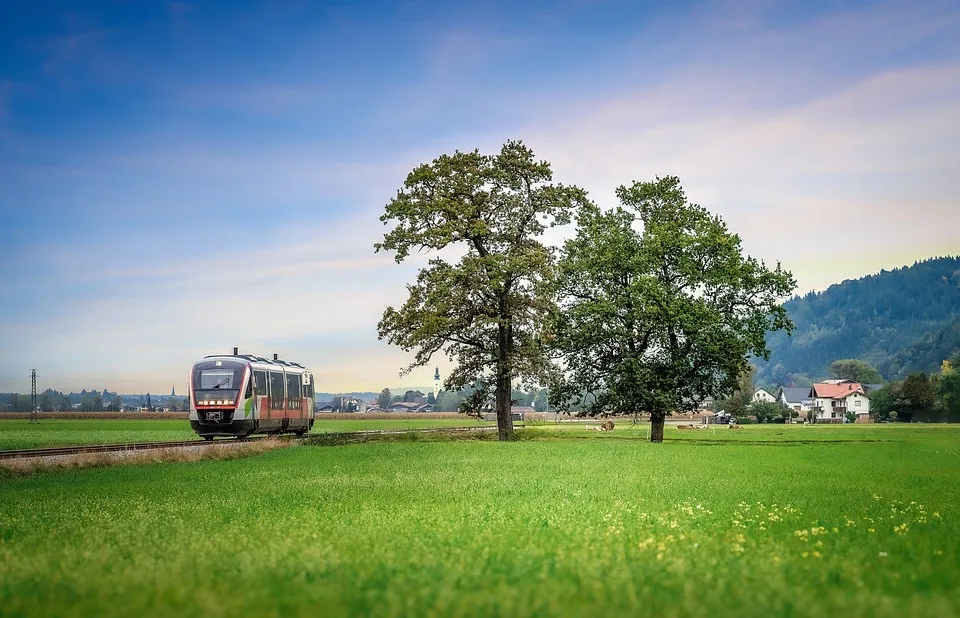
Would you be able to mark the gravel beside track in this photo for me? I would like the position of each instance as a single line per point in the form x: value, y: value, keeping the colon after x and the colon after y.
x: 108, y: 448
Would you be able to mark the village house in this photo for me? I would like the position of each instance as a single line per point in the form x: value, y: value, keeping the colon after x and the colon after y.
x: 762, y: 395
x: 832, y: 399
x: 410, y: 406
x: 797, y: 398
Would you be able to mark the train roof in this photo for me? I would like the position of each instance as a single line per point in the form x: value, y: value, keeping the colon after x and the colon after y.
x: 259, y: 359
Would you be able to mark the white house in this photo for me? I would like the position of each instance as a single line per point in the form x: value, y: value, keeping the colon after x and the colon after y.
x: 762, y: 395
x: 796, y: 398
x: 832, y: 401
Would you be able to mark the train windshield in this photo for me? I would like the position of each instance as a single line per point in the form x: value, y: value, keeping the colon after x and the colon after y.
x: 217, y: 380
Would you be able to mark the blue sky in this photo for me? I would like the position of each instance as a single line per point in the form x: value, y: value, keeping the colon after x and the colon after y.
x: 177, y: 178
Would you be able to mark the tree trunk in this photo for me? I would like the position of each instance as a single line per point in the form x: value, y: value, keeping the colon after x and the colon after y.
x: 504, y: 417
x: 656, y: 426
x: 504, y: 384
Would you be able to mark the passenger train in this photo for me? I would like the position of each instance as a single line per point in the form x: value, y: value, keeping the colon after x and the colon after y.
x: 241, y: 394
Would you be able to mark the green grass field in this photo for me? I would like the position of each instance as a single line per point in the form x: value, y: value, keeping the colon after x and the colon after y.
x: 16, y: 434
x: 767, y: 521
x: 20, y: 433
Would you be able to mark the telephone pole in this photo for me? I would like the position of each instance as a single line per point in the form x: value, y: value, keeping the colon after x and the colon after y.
x: 34, y: 413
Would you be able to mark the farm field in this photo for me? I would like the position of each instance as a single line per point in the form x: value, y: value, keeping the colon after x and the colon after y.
x: 560, y: 523
x: 20, y: 433
x: 359, y: 424
x: 798, y: 432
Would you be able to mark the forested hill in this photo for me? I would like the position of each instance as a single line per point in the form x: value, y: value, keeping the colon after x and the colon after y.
x: 903, y: 320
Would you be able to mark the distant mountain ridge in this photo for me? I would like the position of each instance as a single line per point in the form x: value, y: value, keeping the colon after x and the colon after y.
x: 901, y: 320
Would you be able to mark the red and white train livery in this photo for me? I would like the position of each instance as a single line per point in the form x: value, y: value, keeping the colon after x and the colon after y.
x: 241, y: 394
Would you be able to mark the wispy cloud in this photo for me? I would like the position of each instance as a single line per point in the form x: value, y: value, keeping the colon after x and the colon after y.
x: 178, y: 8
x: 65, y: 49
x: 866, y: 147
x: 254, y: 98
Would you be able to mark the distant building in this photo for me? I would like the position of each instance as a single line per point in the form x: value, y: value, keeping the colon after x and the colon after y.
x: 409, y: 406
x: 796, y: 398
x: 762, y: 395
x: 833, y: 399
x: 519, y: 413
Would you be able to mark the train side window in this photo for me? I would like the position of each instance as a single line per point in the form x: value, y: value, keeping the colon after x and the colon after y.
x: 260, y: 383
x: 249, y: 392
x: 293, y: 391
x: 276, y: 391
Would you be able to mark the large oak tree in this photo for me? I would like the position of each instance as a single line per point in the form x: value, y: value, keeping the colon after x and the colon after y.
x: 654, y: 321
x: 485, y: 307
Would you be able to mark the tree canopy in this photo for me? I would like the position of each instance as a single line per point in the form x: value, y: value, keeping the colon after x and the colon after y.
x: 485, y: 307
x: 655, y: 321
x: 385, y: 398
x: 856, y: 370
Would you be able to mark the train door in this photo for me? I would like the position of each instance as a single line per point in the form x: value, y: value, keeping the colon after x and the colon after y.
x: 294, y: 407
x: 261, y: 395
x: 277, y: 399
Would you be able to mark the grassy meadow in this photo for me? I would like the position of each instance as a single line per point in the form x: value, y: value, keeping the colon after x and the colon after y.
x: 768, y: 520
x: 20, y: 433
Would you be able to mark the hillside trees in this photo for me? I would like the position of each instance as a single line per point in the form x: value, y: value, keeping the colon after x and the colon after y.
x: 657, y: 321
x: 900, y: 321
x: 856, y: 370
x: 917, y: 393
x: 948, y: 387
x: 883, y: 402
x: 482, y: 301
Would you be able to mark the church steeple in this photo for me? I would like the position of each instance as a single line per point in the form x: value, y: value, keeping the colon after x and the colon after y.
x: 173, y: 391
x: 436, y: 383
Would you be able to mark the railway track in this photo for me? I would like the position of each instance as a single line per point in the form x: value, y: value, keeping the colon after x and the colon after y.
x: 100, y: 448
x: 346, y: 436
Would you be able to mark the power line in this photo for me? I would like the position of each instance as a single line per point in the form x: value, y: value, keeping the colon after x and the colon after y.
x: 34, y: 417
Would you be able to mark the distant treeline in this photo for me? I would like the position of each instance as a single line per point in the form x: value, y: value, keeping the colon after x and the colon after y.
x: 51, y: 400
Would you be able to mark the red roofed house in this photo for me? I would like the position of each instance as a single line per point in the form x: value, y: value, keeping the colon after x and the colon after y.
x: 832, y: 399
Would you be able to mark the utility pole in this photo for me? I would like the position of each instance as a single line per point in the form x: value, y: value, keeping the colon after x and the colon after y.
x: 34, y: 413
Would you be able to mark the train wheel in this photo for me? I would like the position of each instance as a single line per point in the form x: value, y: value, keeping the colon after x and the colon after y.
x: 208, y: 438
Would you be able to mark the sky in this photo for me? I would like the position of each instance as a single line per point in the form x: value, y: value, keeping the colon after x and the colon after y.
x: 179, y: 178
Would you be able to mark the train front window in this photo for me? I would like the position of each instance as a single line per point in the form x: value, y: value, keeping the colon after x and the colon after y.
x: 217, y: 381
